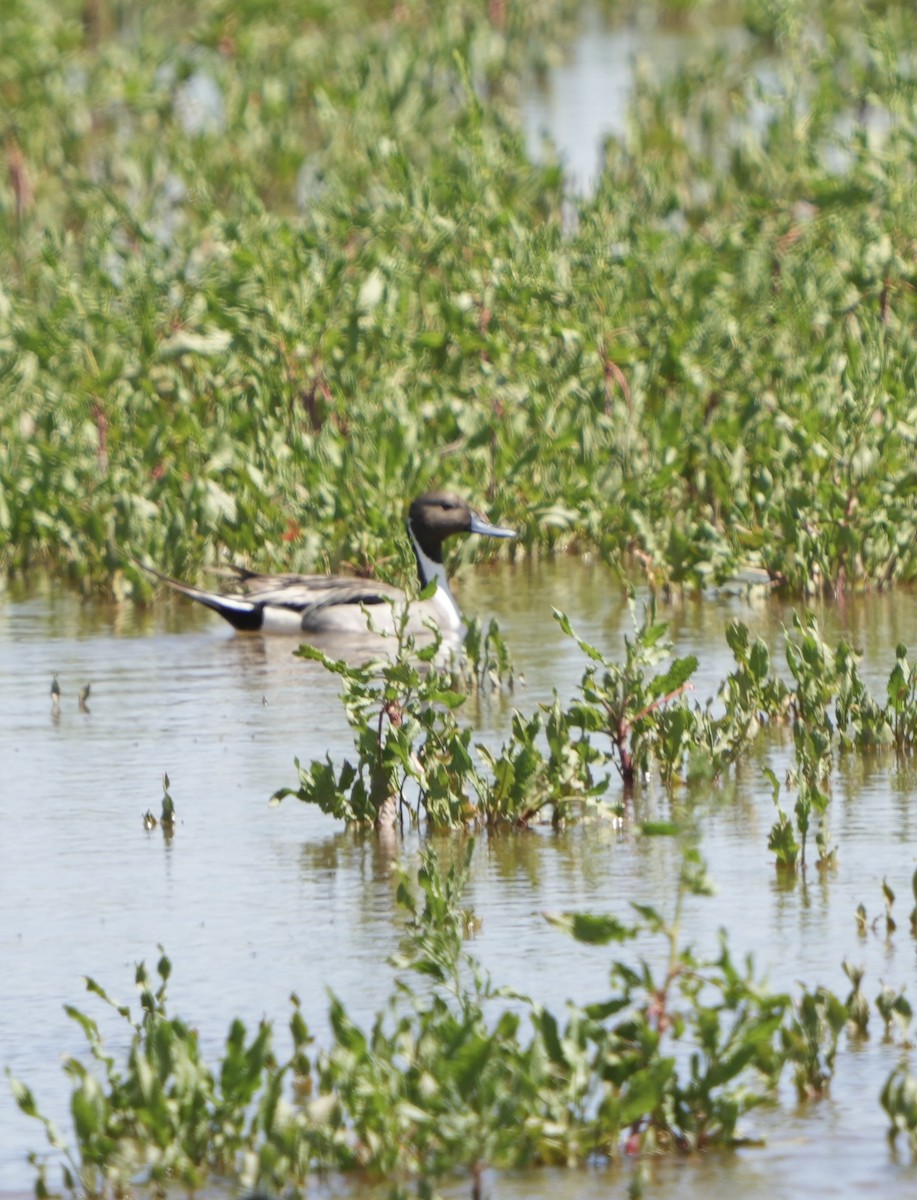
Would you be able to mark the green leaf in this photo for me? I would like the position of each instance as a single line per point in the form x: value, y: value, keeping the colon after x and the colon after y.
x: 86, y: 1116
x: 22, y: 1096
x: 675, y: 678
x: 651, y: 915
x: 564, y: 622
x: 594, y: 930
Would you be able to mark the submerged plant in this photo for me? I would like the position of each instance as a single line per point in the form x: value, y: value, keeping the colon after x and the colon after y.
x: 414, y: 757
x: 752, y: 694
x: 891, y: 1004
x: 162, y: 1113
x: 901, y: 692
x: 485, y: 664
x: 684, y: 1053
x: 810, y: 1040
x: 831, y: 709
x: 856, y: 1003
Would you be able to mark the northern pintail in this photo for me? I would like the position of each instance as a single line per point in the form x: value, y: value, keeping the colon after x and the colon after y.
x: 343, y: 605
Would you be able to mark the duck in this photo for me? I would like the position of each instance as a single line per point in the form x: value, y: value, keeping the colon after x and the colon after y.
x: 330, y: 605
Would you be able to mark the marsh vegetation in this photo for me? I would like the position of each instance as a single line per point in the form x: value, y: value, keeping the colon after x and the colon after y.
x: 269, y: 271
x: 264, y: 279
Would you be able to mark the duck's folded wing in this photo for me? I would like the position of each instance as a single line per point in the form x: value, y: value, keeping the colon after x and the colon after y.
x: 318, y: 591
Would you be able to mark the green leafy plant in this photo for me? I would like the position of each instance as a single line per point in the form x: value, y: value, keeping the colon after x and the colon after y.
x: 485, y: 665
x: 810, y: 1040
x: 856, y: 1003
x: 899, y: 1099
x: 633, y: 709
x: 901, y: 692
x: 162, y: 1112
x: 831, y: 710
x: 401, y: 710
x: 413, y: 756
x: 453, y: 1075
x: 684, y: 1055
x: 353, y: 306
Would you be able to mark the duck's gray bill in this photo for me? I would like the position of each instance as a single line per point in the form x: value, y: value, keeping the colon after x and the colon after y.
x: 480, y: 525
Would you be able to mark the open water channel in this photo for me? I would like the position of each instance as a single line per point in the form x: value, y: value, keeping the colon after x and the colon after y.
x: 252, y: 903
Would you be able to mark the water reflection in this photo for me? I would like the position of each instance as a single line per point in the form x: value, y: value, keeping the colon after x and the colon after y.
x: 252, y: 903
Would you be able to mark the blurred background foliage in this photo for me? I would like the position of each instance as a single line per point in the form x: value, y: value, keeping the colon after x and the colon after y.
x: 267, y: 271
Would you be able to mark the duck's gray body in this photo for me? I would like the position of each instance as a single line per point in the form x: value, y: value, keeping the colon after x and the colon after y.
x: 338, y: 605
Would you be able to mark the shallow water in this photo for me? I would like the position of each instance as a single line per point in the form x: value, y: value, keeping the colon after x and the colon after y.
x: 252, y: 903
x: 571, y: 112
x: 584, y: 99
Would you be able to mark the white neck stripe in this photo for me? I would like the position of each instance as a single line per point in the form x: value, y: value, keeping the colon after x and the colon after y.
x: 428, y: 570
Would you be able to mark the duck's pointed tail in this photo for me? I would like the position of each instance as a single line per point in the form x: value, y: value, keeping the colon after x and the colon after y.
x: 242, y: 614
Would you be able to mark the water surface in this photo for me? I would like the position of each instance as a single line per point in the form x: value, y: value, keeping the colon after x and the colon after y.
x: 585, y: 99
x: 252, y: 903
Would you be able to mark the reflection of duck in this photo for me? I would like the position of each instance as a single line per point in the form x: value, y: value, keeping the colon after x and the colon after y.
x: 342, y: 604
